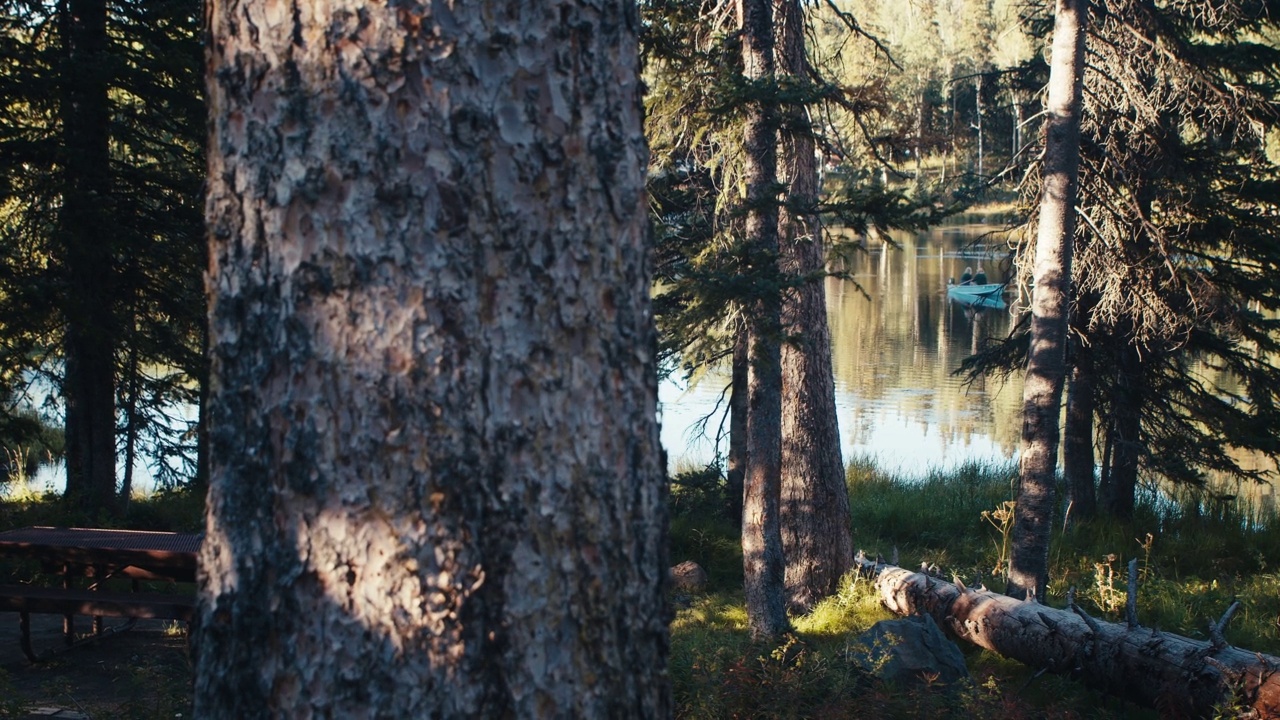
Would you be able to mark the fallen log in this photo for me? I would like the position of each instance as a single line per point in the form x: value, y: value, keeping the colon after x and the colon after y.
x: 1179, y: 676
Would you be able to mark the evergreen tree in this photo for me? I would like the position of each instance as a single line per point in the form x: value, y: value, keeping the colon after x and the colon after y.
x: 710, y: 276
x: 1176, y: 265
x: 1174, y: 275
x: 1046, y: 357
x: 101, y: 242
x: 816, y: 534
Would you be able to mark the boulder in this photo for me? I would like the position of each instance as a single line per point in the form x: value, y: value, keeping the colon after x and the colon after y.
x: 689, y: 576
x: 907, y: 650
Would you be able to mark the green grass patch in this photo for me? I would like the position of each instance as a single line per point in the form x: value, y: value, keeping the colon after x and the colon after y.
x: 1195, y: 555
x: 177, y: 510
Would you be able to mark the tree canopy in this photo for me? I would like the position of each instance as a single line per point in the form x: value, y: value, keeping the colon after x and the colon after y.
x: 101, y: 237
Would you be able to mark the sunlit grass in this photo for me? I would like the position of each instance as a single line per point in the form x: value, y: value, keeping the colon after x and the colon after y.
x: 1195, y: 555
x: 178, y: 510
x: 854, y: 609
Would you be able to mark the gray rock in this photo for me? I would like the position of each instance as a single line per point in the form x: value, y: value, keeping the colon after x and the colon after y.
x: 689, y: 576
x: 907, y: 650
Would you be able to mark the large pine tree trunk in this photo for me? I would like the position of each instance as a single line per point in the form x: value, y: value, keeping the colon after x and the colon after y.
x: 1050, y: 301
x: 436, y: 485
x: 762, y: 558
x: 1180, y: 676
x: 816, y: 535
x: 87, y: 241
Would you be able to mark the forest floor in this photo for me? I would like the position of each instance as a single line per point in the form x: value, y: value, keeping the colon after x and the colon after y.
x: 141, y: 674
x: 1196, y: 553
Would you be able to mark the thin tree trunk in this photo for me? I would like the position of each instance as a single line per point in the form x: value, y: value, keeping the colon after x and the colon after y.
x: 1182, y: 676
x: 200, y: 483
x: 1017, y: 126
x: 1126, y: 410
x: 816, y: 536
x: 919, y: 140
x: 1050, y: 301
x: 1078, y: 464
x: 1108, y: 453
x: 1077, y: 445
x: 978, y: 125
x: 738, y: 411
x: 436, y: 485
x: 762, y: 557
x: 131, y: 424
x: 85, y: 229
x: 950, y: 89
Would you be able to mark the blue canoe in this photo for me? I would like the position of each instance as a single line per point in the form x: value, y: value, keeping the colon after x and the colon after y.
x: 990, y: 295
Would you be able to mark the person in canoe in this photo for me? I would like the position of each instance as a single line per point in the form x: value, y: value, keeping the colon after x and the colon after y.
x: 980, y: 277
x: 967, y: 277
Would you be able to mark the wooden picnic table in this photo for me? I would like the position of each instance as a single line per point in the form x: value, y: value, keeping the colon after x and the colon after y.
x: 98, y: 555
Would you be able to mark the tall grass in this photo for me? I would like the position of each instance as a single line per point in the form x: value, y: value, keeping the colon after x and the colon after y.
x: 1196, y: 553
x: 176, y: 510
x: 936, y: 519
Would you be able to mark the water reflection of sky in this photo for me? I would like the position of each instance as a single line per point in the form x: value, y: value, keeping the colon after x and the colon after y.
x: 894, y: 355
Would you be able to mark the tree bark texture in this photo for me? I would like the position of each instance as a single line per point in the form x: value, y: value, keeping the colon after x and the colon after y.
x: 436, y: 481
x: 1077, y: 441
x: 1050, y: 302
x: 816, y: 534
x: 1126, y: 436
x: 86, y: 234
x: 738, y: 411
x: 1180, y: 676
x: 763, y: 564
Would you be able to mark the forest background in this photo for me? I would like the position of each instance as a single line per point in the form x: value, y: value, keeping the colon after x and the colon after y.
x: 908, y: 111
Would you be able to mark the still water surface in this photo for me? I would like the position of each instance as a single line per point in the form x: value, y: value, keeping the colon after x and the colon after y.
x: 894, y: 354
x: 895, y: 350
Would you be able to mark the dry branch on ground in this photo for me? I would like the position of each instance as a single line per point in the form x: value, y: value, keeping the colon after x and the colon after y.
x: 1178, y: 675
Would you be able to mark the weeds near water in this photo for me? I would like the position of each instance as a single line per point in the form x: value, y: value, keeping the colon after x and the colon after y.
x: 1196, y: 554
x: 1110, y: 599
x: 180, y: 509
x: 1001, y: 518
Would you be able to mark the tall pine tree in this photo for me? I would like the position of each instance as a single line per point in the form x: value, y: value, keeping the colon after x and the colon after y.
x: 101, y: 241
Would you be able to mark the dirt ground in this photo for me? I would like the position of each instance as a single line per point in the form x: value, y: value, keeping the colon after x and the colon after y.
x: 140, y: 674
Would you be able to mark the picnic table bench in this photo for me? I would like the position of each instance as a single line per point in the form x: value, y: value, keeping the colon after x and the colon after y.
x: 98, y: 555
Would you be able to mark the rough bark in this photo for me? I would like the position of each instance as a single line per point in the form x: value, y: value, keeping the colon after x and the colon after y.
x: 1180, y: 676
x: 738, y: 410
x: 762, y: 558
x: 816, y: 533
x: 1050, y: 299
x: 1077, y: 442
x: 436, y: 483
x: 85, y: 231
x: 1118, y: 497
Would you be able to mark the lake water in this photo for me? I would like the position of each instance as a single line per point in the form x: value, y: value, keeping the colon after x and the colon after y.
x: 895, y: 351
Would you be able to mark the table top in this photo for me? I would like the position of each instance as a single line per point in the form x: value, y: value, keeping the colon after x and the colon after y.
x: 161, y: 551
x: 104, y: 539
